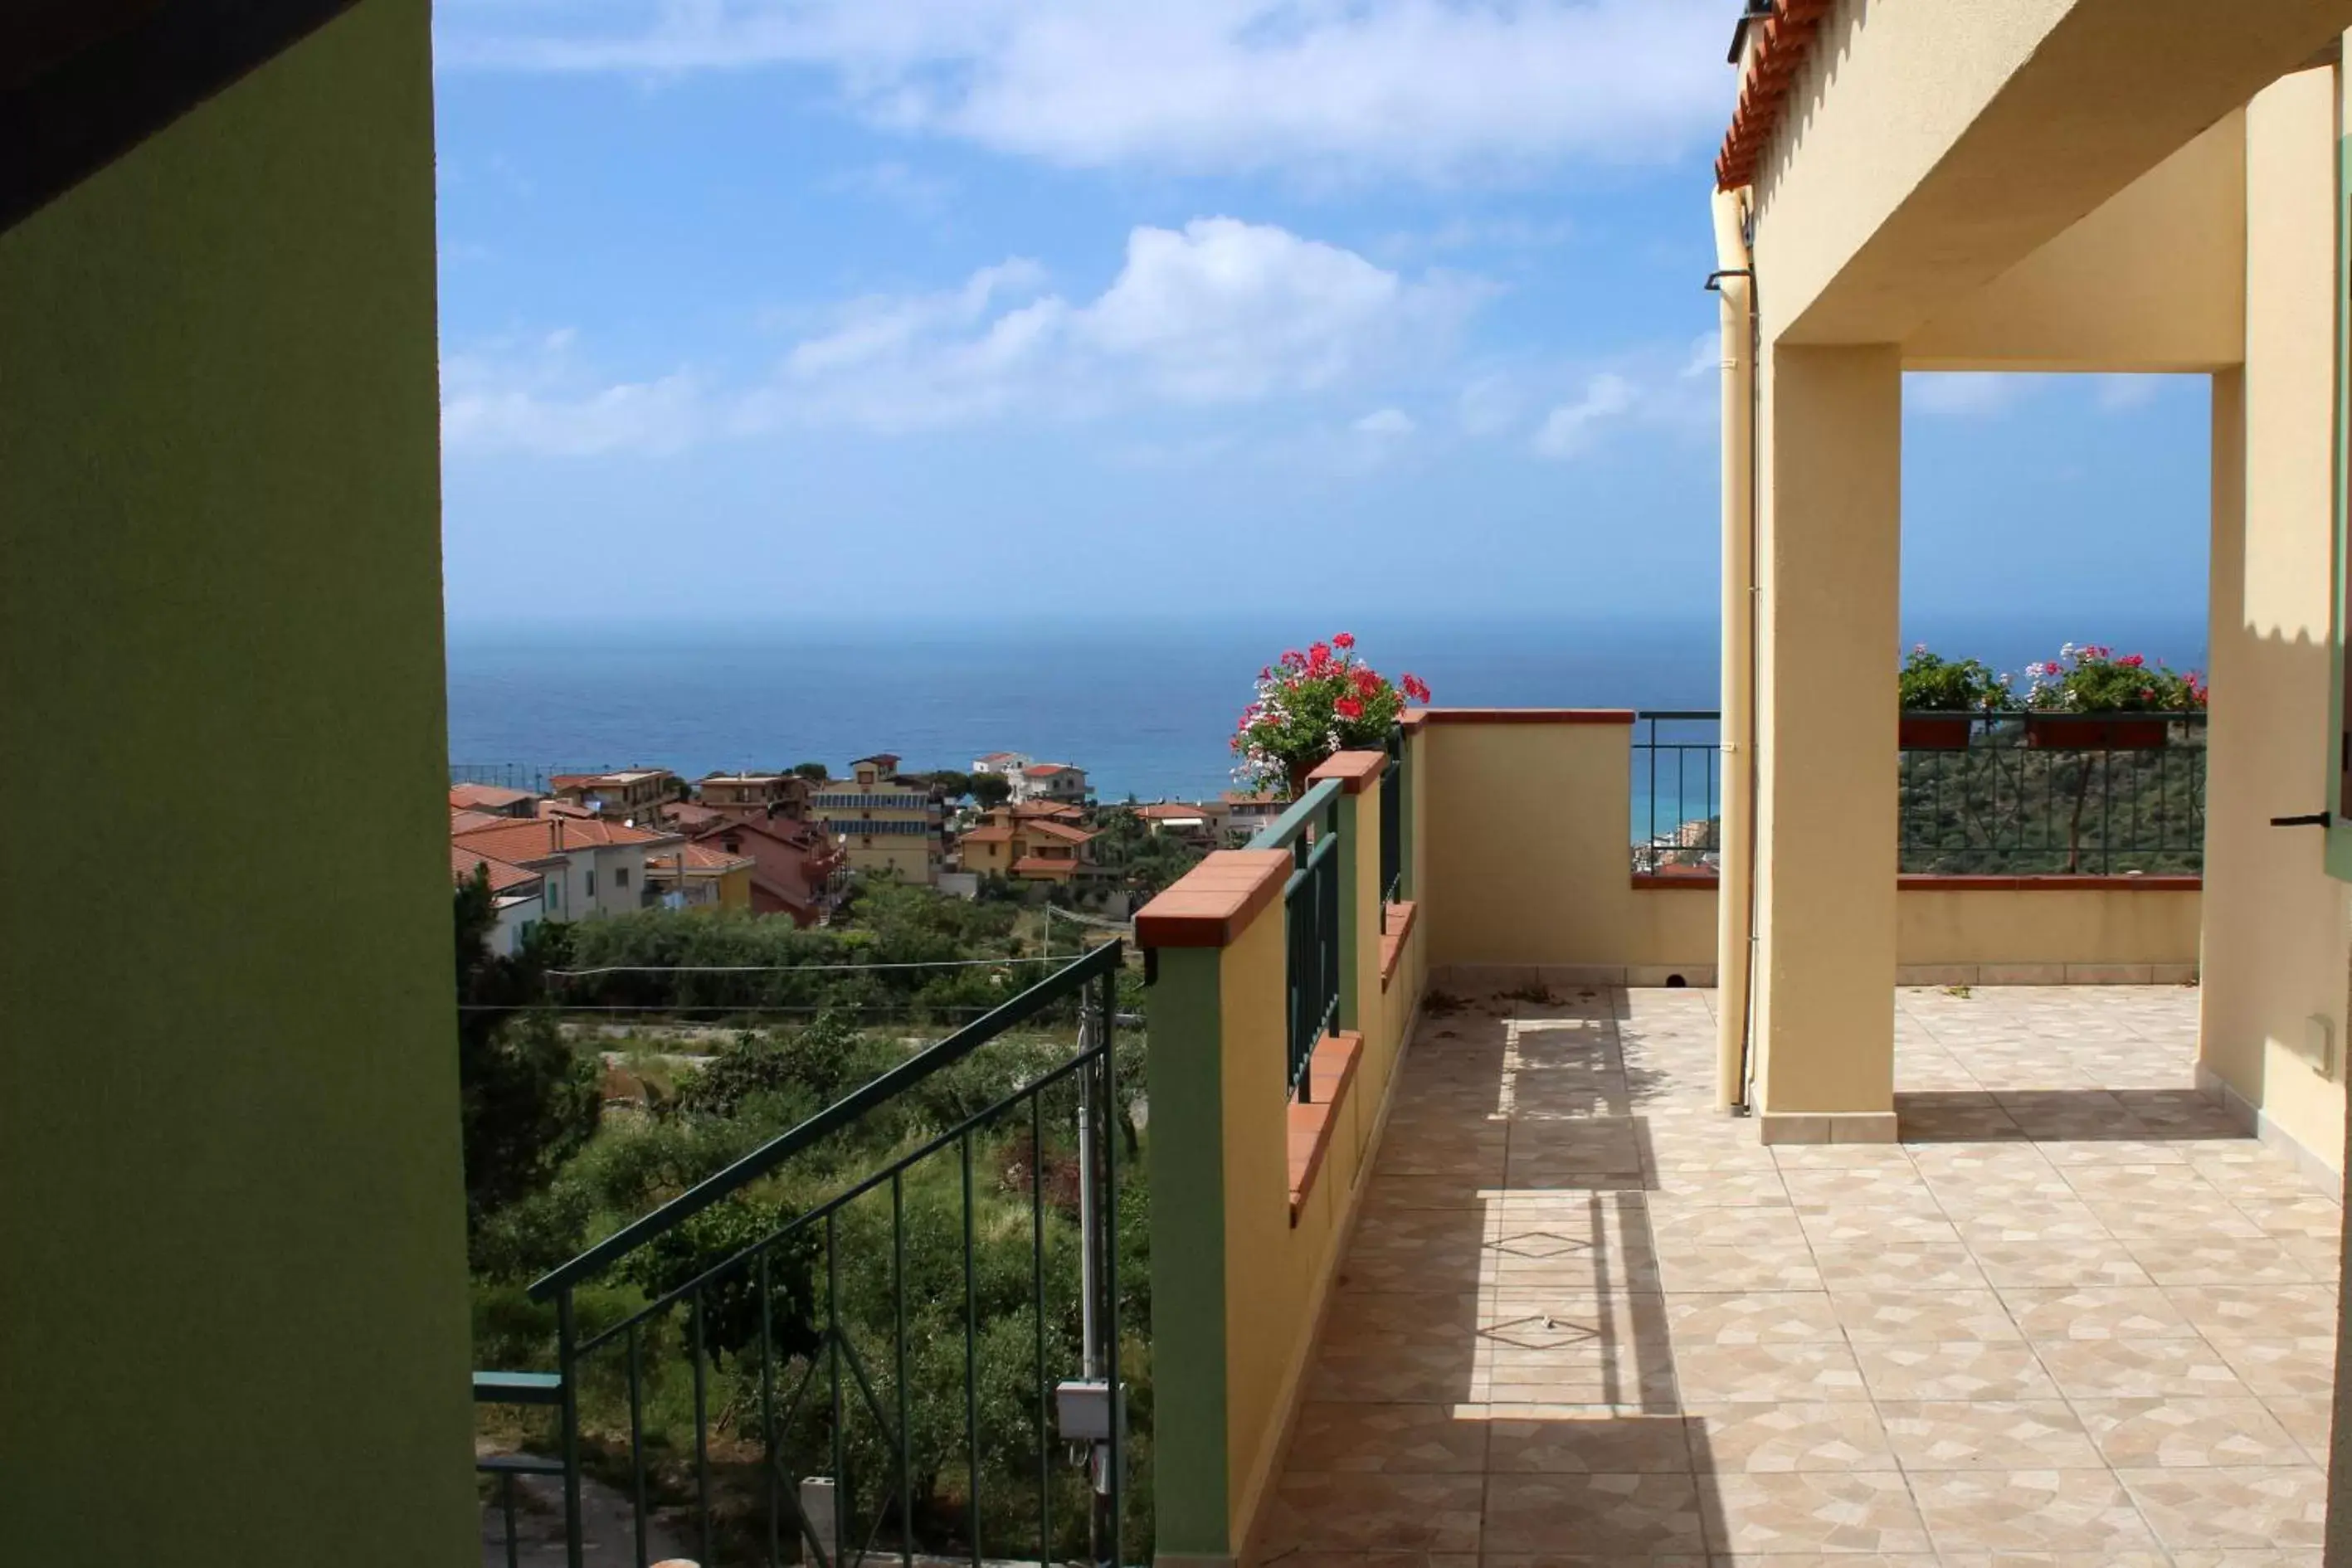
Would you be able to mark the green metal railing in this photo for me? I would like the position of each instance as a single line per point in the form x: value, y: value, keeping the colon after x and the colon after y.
x: 1677, y: 791
x: 1310, y: 830
x: 1391, y: 826
x: 743, y: 1333
x: 2005, y: 794
x: 2027, y: 797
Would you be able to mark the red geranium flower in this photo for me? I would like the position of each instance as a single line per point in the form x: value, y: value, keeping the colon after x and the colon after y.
x: 1347, y: 708
x: 1367, y: 681
x: 1343, y: 640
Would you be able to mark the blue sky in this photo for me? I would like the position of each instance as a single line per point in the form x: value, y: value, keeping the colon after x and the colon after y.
x: 981, y: 307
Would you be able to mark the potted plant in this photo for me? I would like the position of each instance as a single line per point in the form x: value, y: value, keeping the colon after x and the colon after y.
x: 1311, y: 704
x: 1941, y: 697
x: 2091, y: 697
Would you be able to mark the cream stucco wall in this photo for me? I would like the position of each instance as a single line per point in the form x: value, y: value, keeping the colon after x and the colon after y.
x: 1829, y: 543
x: 1264, y: 1289
x: 2274, y: 934
x: 1914, y: 160
x: 2154, y: 279
x: 1523, y: 839
x: 1989, y: 936
x: 1542, y: 884
x: 1279, y: 1270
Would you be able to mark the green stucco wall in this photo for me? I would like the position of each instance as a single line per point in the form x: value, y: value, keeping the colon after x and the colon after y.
x: 1191, y: 1486
x: 232, y: 1292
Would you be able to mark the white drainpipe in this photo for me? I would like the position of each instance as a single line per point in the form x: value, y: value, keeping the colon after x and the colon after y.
x: 1735, y: 285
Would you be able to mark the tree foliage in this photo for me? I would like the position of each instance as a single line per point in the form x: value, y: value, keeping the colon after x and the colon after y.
x: 528, y: 1101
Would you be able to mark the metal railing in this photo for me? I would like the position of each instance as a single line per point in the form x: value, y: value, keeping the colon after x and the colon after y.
x: 2003, y: 794
x: 1677, y: 792
x: 2017, y: 795
x: 782, y: 1335
x: 1391, y: 826
x: 1310, y: 830
x: 525, y: 776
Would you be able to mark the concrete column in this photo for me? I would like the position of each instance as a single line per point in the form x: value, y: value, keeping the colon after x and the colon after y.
x: 1828, y: 561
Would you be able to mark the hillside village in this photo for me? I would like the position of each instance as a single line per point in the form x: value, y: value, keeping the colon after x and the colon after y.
x: 791, y: 842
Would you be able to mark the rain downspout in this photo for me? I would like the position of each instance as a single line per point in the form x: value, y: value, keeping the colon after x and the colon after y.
x: 1734, y: 284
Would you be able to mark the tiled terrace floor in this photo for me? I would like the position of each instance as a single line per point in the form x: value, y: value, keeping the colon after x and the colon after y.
x: 2074, y: 1318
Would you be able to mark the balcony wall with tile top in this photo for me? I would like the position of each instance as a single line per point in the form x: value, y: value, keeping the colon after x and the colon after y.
x: 1242, y: 1273
x: 1525, y: 817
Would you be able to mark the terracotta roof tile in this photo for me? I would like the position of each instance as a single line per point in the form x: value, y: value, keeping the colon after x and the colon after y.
x: 1774, y: 62
x: 486, y: 797
x: 504, y: 878
x: 537, y: 839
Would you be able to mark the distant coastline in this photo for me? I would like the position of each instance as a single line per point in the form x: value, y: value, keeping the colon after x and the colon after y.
x: 1144, y: 706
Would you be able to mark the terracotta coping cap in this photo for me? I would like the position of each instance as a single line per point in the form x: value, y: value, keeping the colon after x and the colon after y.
x: 1936, y: 882
x: 1526, y: 716
x: 2055, y: 883
x: 1213, y: 903
x: 1354, y: 770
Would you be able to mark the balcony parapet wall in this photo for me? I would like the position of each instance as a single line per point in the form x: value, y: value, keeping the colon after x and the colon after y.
x: 1524, y: 875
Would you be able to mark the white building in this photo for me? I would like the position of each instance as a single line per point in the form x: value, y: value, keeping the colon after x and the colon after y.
x: 1058, y: 782
x: 517, y: 895
x: 588, y: 866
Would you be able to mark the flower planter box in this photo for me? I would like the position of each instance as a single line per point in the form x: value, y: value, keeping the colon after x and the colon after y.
x: 2097, y: 732
x: 1935, y: 731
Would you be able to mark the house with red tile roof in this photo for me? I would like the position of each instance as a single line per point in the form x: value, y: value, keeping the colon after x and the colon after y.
x: 1029, y: 849
x: 699, y: 875
x: 793, y: 866
x: 603, y: 864
x: 756, y: 795
x: 1047, y: 781
x: 518, y: 892
x: 631, y: 794
x: 1246, y: 813
x: 491, y: 799
x: 1199, y: 824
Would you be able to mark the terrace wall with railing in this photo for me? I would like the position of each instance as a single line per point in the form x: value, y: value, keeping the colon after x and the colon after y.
x: 1584, y: 844
x: 1284, y: 981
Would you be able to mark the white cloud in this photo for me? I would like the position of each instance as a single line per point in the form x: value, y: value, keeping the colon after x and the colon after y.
x: 1966, y: 395
x: 1705, y: 356
x: 1985, y: 393
x: 1386, y: 423
x: 2122, y: 394
x: 509, y: 396
x: 1430, y: 88
x: 1222, y: 312
x: 1484, y: 235
x: 895, y: 184
x: 1490, y: 404
x: 1569, y: 429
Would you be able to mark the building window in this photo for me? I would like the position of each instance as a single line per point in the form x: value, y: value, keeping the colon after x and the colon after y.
x: 620, y: 876
x: 592, y: 881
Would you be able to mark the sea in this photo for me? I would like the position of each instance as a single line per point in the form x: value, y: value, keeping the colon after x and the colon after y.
x: 1146, y: 705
